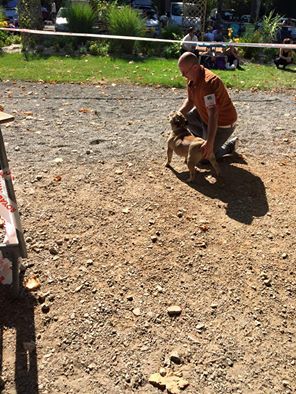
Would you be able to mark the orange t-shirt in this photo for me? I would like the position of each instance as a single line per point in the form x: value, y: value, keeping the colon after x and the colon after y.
x: 210, y: 84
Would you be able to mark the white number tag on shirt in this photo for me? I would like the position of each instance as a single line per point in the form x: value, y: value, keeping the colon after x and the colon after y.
x: 210, y: 100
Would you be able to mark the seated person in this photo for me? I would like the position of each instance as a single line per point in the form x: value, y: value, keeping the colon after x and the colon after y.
x: 232, y: 58
x: 208, y: 59
x: 209, y: 35
x: 188, y: 46
x: 285, y: 56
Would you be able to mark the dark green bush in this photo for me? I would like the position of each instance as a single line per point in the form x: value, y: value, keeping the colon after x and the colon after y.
x: 172, y: 50
x: 81, y: 18
x: 124, y: 21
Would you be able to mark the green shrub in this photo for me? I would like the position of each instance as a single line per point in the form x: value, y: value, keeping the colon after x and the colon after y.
x: 172, y: 50
x: 266, y: 33
x: 170, y: 32
x: 124, y: 21
x: 270, y: 25
x: 81, y: 18
x: 98, y: 48
x: 248, y: 52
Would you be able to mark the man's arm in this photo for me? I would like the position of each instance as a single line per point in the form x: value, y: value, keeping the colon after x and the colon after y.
x: 186, y: 106
x: 208, y: 146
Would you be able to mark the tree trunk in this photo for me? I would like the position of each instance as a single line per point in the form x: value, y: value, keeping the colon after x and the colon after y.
x: 255, y: 9
x: 30, y: 18
x: 219, y: 6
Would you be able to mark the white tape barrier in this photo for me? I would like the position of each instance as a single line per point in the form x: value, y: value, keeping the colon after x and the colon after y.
x: 150, y: 39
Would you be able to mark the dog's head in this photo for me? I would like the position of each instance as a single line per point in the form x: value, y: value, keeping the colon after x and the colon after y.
x: 178, y: 121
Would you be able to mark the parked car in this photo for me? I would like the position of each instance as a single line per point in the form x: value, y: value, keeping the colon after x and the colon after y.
x: 150, y: 16
x: 61, y: 22
x: 11, y: 15
x: 183, y: 15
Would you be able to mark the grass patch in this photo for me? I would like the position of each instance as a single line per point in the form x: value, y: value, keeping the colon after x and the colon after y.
x: 160, y: 72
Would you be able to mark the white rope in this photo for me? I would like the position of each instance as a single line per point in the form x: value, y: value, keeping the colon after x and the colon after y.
x: 150, y: 39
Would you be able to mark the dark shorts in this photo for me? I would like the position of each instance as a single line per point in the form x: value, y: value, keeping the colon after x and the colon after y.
x: 200, y: 129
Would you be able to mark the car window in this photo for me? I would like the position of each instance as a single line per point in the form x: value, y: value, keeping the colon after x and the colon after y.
x: 176, y: 9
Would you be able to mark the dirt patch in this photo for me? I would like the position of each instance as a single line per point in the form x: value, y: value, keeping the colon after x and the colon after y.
x: 116, y: 239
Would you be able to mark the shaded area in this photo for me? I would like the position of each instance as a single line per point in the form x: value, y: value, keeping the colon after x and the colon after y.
x: 243, y: 192
x: 18, y: 315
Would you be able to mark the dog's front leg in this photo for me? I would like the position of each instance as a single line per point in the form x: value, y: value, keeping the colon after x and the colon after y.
x: 169, y: 156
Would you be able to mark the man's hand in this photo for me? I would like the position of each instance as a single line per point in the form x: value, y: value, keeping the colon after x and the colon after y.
x: 207, y: 149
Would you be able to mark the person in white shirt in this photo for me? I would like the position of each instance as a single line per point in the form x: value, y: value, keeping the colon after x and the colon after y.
x: 191, y: 45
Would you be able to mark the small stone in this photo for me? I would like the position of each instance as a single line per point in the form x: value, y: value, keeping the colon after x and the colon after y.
x: 175, y: 357
x: 154, y: 238
x: 137, y: 311
x: 129, y: 297
x: 267, y: 282
x: 53, y: 251
x: 284, y: 255
x: 41, y: 298
x: 214, y: 306
x: 174, y: 310
x: 45, y: 308
x: 162, y: 372
x: 180, y: 214
x: 200, y: 327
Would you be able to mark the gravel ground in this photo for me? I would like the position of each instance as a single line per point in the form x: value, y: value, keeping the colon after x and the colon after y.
x: 116, y: 240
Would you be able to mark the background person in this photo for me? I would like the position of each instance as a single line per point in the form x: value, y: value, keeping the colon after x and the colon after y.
x: 188, y: 46
x: 53, y: 12
x: 285, y: 56
x: 208, y: 108
x: 232, y: 58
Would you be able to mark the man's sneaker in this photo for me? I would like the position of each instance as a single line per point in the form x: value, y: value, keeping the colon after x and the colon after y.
x: 232, y: 145
x: 229, y: 147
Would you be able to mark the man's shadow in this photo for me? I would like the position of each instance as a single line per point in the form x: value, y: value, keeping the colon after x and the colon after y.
x: 242, y: 192
x: 18, y: 315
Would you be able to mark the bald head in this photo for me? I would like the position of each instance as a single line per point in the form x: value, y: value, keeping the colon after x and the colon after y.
x: 188, y: 65
x: 187, y: 59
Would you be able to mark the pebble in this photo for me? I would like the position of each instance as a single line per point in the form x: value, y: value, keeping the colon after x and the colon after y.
x: 200, y: 327
x: 137, y: 311
x: 162, y: 372
x: 175, y: 357
x: 53, y: 251
x: 174, y: 310
x: 154, y: 238
x: 45, y: 308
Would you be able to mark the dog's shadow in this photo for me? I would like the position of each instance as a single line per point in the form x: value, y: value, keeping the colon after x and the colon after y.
x: 242, y: 192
